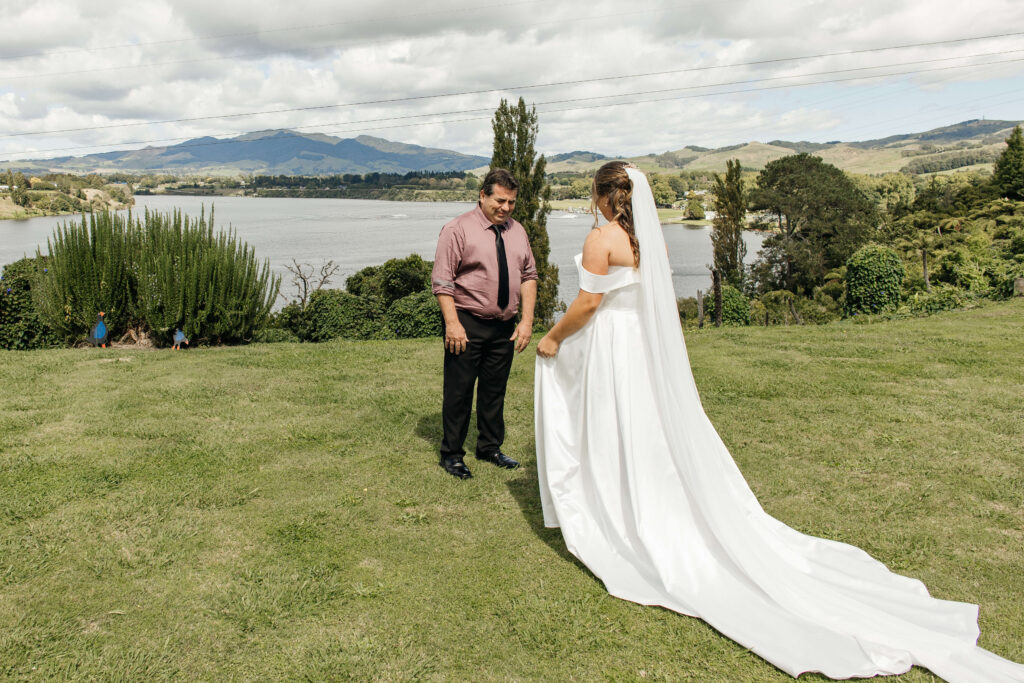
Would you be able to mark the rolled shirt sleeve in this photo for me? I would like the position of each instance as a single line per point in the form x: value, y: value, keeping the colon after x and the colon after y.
x: 446, y: 261
x: 529, y: 268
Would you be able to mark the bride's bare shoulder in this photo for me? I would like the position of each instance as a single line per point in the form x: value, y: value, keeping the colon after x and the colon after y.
x: 596, y: 251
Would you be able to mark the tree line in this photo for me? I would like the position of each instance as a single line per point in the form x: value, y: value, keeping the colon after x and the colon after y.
x: 842, y: 245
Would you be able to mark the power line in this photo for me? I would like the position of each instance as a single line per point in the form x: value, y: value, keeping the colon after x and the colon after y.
x: 496, y: 90
x: 581, y: 99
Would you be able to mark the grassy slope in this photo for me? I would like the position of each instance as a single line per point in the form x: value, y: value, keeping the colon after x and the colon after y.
x: 276, y: 511
x: 755, y: 155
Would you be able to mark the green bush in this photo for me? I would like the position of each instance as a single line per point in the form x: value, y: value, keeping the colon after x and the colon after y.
x: 61, y: 203
x: 1004, y: 275
x: 274, y: 335
x: 965, y: 269
x: 687, y: 307
x: 416, y: 315
x: 873, y: 277
x: 20, y: 326
x: 735, y: 307
x: 778, y: 305
x: 942, y: 298
x: 334, y: 313
x: 821, y: 307
x: 392, y: 280
x: 158, y: 272
x: 292, y: 318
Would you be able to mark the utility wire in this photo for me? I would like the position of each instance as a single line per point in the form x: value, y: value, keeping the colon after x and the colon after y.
x: 573, y: 100
x: 497, y: 90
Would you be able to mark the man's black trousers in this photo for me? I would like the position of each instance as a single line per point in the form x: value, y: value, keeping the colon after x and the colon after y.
x: 488, y: 357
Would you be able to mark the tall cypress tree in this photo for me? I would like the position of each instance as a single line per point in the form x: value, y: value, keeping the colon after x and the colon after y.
x: 515, y: 132
x: 1009, y: 171
x: 727, y: 226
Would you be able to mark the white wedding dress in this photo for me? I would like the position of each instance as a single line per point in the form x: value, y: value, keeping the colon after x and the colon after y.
x: 650, y: 500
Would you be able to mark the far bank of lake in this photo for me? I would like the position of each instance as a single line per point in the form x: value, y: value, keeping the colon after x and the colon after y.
x: 356, y: 233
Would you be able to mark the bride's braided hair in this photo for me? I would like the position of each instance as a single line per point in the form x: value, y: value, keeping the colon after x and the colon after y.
x: 613, y: 182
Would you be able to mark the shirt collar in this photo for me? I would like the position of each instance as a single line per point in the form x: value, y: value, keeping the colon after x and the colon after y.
x: 481, y: 219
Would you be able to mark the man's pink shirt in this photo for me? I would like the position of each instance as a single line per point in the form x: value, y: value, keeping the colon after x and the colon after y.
x: 466, y: 264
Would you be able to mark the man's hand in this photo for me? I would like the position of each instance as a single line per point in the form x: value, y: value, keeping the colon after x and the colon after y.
x: 521, y: 335
x: 455, y: 338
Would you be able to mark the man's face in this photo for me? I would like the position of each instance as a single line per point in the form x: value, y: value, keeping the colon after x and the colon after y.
x: 499, y: 204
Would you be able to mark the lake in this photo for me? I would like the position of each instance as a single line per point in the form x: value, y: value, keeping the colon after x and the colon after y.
x: 356, y: 233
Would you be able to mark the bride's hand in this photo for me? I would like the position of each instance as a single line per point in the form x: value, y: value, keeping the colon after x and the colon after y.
x: 547, y: 347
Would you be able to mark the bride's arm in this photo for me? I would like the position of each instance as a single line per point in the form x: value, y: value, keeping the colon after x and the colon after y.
x: 595, y: 259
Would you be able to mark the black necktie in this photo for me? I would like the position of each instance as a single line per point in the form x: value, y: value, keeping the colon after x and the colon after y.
x: 499, y: 244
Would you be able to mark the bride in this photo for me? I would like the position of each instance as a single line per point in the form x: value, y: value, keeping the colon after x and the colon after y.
x: 650, y: 500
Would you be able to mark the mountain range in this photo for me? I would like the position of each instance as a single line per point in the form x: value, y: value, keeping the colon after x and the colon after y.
x: 269, y: 152
x: 969, y: 144
x: 973, y: 144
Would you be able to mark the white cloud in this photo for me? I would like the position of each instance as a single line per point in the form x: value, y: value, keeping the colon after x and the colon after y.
x: 96, y: 64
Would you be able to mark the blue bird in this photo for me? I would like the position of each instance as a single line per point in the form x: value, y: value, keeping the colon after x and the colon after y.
x: 98, y: 334
x: 179, y: 339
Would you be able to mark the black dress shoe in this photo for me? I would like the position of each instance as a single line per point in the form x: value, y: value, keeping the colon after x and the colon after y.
x: 500, y: 459
x: 454, y: 466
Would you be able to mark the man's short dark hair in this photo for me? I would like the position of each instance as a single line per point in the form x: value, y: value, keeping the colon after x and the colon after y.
x: 498, y: 176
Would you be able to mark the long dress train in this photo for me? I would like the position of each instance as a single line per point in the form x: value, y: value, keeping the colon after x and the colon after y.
x: 650, y: 500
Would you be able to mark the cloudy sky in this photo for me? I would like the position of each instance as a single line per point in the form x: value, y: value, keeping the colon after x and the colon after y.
x: 619, y: 77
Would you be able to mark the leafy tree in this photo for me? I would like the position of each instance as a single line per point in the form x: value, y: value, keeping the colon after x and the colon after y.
x: 515, y: 133
x: 1009, y: 170
x: 730, y: 199
x: 695, y: 208
x: 679, y: 184
x: 663, y: 193
x: 579, y: 189
x: 820, y: 216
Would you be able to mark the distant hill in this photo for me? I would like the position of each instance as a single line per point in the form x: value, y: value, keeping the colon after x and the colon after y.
x: 271, y: 152
x: 576, y: 157
x: 970, y: 144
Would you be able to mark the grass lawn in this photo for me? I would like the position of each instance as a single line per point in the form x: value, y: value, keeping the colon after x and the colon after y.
x: 276, y: 511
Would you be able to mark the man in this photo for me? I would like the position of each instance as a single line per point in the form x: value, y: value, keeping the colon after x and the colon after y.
x: 483, y: 271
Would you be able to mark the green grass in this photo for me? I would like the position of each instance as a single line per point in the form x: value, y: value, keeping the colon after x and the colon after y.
x: 276, y: 511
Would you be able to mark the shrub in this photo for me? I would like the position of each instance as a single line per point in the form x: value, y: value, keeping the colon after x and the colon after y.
x: 873, y: 277
x: 687, y: 311
x: 333, y: 313
x: 61, y: 203
x: 416, y: 315
x: 735, y: 307
x: 758, y: 312
x: 159, y: 272
x: 20, y: 326
x: 941, y: 298
x: 292, y: 318
x: 392, y: 280
x: 965, y: 269
x: 1003, y: 277
x: 778, y: 305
